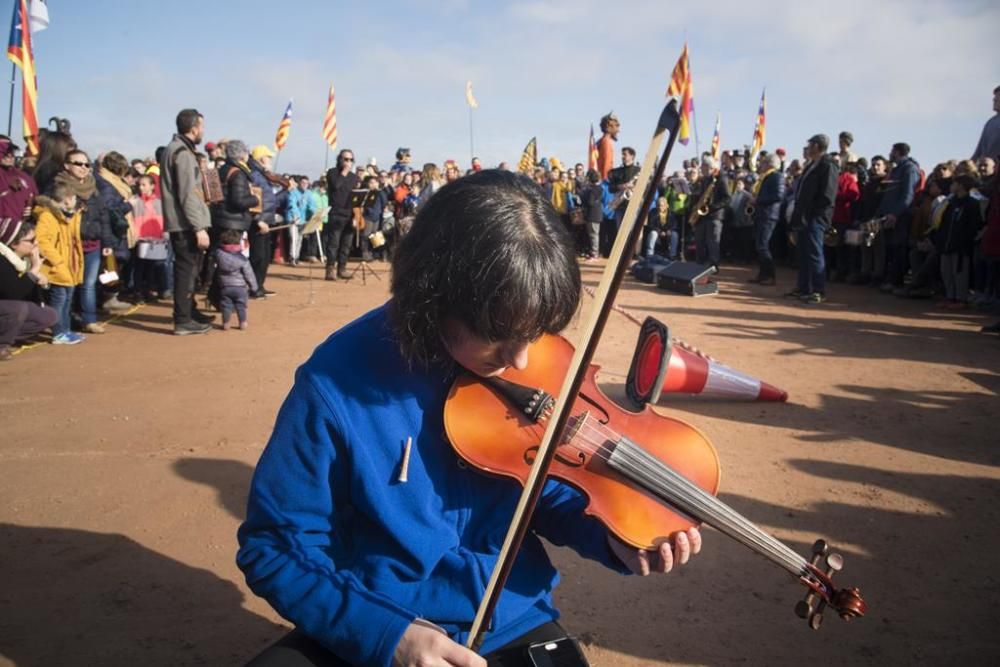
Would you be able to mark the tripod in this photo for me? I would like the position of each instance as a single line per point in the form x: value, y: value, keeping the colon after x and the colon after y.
x: 363, y: 266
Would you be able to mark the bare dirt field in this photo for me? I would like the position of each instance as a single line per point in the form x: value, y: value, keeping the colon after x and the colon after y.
x: 126, y: 460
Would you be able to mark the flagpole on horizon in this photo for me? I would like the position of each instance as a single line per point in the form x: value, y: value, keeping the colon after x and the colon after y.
x: 10, y: 110
x: 470, y: 99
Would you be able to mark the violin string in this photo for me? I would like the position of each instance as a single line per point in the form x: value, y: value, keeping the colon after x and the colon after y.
x: 688, y: 496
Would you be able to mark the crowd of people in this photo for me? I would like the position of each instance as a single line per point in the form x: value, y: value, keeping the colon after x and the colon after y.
x: 81, y: 235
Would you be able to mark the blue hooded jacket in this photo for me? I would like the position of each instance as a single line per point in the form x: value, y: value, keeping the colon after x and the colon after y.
x: 351, y: 555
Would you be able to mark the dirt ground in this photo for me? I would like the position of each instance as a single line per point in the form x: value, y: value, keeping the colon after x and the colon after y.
x: 126, y: 461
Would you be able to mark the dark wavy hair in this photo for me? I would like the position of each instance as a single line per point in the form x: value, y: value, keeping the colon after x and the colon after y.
x: 490, y: 251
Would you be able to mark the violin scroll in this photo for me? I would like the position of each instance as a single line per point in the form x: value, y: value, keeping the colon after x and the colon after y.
x: 847, y: 601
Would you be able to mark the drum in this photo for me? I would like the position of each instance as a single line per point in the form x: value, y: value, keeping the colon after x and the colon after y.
x: 377, y: 239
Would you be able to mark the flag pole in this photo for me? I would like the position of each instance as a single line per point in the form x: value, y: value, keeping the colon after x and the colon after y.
x: 326, y: 160
x: 10, y: 111
x: 472, y: 149
x: 276, y: 158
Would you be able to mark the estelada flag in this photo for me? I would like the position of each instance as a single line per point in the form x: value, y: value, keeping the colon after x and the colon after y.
x: 284, y: 127
x: 591, y: 151
x: 717, y: 138
x: 682, y: 88
x: 528, y: 157
x: 760, y: 126
x: 469, y: 98
x: 20, y: 52
x: 330, y: 122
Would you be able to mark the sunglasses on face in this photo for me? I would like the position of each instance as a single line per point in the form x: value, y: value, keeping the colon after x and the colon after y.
x: 85, y: 165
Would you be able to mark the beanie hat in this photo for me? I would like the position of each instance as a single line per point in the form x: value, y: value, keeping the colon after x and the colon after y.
x: 8, y: 230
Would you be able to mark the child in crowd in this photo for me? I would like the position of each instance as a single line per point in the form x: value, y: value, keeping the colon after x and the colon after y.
x: 235, y: 276
x: 151, y: 262
x: 955, y: 241
x: 61, y: 248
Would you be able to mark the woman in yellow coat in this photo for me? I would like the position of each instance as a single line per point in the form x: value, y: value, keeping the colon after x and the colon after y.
x: 58, y: 232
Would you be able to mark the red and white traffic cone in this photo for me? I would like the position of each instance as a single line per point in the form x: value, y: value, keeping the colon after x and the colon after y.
x: 660, y: 366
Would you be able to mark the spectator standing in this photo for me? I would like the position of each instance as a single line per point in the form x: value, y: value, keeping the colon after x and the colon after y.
x: 338, y: 233
x: 610, y: 127
x: 955, y: 241
x: 897, y: 197
x: 847, y: 156
x: 235, y: 276
x: 259, y: 234
x: 712, y: 193
x: 21, y: 279
x: 766, y: 197
x: 53, y: 151
x: 186, y: 218
x: 848, y: 193
x: 813, y: 214
x: 149, y: 273
x: 592, y: 197
x: 17, y: 188
x: 62, y: 253
x: 118, y: 234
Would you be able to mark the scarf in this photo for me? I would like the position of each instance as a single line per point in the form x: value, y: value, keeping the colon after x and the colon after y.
x: 116, y: 182
x: 19, y: 264
x: 83, y: 190
x: 760, y: 182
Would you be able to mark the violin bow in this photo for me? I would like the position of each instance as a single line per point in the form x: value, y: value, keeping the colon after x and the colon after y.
x: 607, y: 290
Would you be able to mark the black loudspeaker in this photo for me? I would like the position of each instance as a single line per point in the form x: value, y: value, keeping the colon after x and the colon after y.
x: 687, y: 278
x: 647, y: 268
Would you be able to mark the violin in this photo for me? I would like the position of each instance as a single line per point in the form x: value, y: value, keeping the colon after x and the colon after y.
x: 646, y: 476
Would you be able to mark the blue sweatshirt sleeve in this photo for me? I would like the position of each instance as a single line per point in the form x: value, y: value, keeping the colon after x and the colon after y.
x: 291, y: 532
x: 560, y: 519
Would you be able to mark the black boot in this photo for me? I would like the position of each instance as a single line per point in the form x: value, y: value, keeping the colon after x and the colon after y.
x: 343, y: 274
x: 331, y: 272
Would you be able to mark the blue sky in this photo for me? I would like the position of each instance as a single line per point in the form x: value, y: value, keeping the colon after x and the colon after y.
x: 915, y: 71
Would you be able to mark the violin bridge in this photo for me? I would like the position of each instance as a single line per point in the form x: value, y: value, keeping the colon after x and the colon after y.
x: 573, y: 428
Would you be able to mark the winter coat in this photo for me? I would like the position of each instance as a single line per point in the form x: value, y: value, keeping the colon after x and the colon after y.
x: 17, y: 191
x: 767, y: 208
x: 269, y: 199
x: 184, y: 207
x: 114, y: 225
x: 815, y: 194
x: 847, y: 193
x: 233, y: 269
x: 148, y: 212
x: 991, y: 237
x: 960, y: 223
x: 233, y: 212
x: 59, y: 243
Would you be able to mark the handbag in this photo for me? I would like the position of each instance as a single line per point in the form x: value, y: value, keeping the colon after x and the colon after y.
x: 154, y: 250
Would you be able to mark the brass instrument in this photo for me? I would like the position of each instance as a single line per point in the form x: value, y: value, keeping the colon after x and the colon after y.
x: 623, y: 195
x: 701, y: 209
x: 750, y: 209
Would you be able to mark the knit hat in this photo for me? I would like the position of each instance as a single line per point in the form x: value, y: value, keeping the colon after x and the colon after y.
x: 8, y: 230
x: 260, y: 151
x: 7, y: 147
x: 848, y: 137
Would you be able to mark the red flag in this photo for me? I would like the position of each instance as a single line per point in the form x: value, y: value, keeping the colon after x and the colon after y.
x: 330, y: 122
x: 284, y: 128
x: 21, y: 54
x: 682, y: 88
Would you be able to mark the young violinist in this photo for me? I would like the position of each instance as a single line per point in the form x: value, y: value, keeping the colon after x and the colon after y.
x: 364, y: 528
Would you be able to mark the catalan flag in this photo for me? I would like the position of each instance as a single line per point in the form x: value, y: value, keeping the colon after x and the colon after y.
x: 473, y: 104
x: 717, y: 138
x: 330, y: 122
x: 528, y: 157
x: 682, y: 88
x: 759, y: 128
x: 284, y: 127
x: 20, y: 52
x: 591, y: 151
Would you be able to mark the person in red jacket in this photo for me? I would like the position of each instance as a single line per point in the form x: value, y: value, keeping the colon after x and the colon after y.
x: 848, y: 193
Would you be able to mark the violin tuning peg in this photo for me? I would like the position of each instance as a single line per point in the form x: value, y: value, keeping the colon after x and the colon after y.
x: 816, y: 620
x: 834, y: 563
x: 803, y: 608
x: 820, y: 547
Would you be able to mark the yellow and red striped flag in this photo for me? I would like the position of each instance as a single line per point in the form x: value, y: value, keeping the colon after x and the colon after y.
x: 760, y: 127
x: 591, y: 151
x: 20, y: 52
x: 330, y: 122
x: 717, y: 138
x: 284, y: 127
x: 526, y: 165
x: 682, y: 88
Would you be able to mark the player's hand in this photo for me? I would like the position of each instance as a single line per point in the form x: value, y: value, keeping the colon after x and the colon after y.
x: 424, y: 645
x: 677, y: 551
x: 263, y: 227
